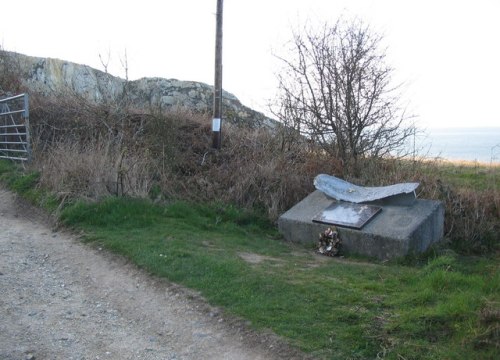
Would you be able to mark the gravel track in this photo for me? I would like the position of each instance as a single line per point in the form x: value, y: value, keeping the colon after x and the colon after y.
x: 61, y: 299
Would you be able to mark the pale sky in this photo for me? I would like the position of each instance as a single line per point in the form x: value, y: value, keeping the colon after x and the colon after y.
x: 447, y: 51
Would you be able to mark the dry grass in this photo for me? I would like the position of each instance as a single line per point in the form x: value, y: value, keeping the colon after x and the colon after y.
x: 489, y: 319
x: 94, y: 170
x: 470, y: 163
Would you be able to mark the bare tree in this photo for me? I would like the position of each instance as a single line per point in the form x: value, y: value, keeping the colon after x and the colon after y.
x: 335, y: 89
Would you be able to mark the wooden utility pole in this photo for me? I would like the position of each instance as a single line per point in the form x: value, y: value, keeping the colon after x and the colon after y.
x: 217, y: 114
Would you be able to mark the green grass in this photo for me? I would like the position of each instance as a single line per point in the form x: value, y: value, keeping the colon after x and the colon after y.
x: 25, y: 183
x: 328, y: 307
x: 473, y: 176
x: 430, y: 307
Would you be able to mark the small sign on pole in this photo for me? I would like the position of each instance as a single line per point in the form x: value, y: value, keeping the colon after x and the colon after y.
x: 215, y: 125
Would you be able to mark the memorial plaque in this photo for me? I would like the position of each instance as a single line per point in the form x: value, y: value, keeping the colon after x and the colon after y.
x: 349, y: 215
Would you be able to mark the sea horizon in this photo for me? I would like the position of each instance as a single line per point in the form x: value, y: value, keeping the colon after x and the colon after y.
x: 469, y: 144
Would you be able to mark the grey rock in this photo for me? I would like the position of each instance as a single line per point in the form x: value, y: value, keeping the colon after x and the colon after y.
x: 54, y: 76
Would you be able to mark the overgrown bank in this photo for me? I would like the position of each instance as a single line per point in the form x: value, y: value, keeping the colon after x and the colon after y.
x: 90, y: 151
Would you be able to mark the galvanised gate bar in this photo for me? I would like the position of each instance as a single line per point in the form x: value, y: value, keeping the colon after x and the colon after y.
x: 14, y: 128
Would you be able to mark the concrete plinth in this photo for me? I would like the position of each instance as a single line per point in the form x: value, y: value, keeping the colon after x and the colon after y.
x: 398, y: 230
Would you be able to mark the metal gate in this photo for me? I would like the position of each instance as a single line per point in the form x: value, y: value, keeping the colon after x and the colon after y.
x: 14, y: 128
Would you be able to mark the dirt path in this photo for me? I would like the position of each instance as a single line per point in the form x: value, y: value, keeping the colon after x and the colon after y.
x: 63, y: 300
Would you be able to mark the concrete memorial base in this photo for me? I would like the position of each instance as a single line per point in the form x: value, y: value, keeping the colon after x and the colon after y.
x: 402, y: 227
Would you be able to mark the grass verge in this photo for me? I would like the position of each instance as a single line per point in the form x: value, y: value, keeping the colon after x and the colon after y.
x: 446, y: 306
x: 332, y: 308
x: 25, y: 184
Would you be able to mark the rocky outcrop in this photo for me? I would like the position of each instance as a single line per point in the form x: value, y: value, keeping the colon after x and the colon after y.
x: 53, y: 76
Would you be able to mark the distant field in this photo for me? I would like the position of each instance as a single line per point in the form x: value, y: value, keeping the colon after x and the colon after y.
x: 470, y: 174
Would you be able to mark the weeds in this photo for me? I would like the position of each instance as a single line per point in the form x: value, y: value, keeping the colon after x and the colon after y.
x: 94, y: 171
